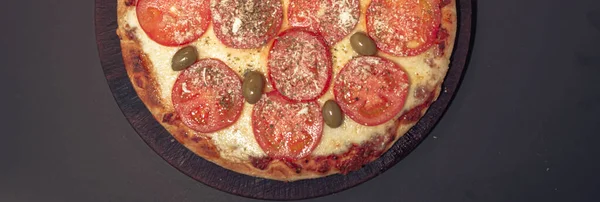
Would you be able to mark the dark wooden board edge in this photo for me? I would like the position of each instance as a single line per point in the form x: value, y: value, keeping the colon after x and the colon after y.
x: 219, y: 178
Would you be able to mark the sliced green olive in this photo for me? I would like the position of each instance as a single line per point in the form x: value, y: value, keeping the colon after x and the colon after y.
x: 252, y: 88
x: 332, y: 114
x: 184, y: 58
x: 363, y: 44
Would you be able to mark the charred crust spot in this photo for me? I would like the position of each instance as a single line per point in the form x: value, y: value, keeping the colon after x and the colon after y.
x: 141, y: 77
x: 130, y: 2
x: 320, y: 164
x: 354, y: 159
x: 130, y: 33
x: 203, y: 146
x: 441, y: 48
x: 359, y: 155
x: 296, y: 167
x: 195, y: 139
x: 422, y: 92
x: 139, y: 81
x: 349, y: 165
x: 414, y: 114
x: 358, y: 159
x: 429, y: 61
x: 137, y: 62
x: 209, y: 150
x: 445, y: 3
x: 170, y: 118
x: 324, y: 168
x: 153, y: 98
x: 261, y: 163
x: 391, y: 135
x: 180, y: 135
x: 440, y: 43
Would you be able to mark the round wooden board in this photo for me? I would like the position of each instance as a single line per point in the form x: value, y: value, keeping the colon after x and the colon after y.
x: 212, y: 175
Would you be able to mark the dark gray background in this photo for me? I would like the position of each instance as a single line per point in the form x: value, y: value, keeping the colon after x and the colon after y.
x: 523, y: 126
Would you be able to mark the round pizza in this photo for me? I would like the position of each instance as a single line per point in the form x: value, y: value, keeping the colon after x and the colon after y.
x: 287, y: 89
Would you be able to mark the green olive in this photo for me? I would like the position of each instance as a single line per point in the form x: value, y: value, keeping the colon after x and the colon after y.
x: 363, y: 44
x: 332, y: 114
x: 253, y: 86
x: 184, y: 58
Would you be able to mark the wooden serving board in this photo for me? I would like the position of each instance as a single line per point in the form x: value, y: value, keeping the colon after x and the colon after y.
x: 214, y: 176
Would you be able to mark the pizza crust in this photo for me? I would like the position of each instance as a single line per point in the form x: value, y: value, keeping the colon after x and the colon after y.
x: 139, y: 69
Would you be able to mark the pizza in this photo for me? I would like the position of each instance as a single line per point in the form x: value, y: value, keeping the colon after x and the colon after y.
x: 287, y: 89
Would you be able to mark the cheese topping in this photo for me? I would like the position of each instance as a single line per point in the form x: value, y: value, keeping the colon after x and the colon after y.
x: 237, y: 143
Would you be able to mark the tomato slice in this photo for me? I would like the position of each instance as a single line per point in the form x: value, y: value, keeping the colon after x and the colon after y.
x: 371, y: 90
x: 334, y: 19
x: 208, y: 96
x: 284, y: 129
x: 173, y: 22
x: 246, y: 24
x: 403, y: 27
x: 299, y: 65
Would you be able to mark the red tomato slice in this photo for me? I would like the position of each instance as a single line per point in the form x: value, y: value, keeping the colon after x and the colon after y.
x: 371, y: 90
x: 284, y: 129
x: 403, y: 27
x: 300, y: 65
x: 208, y: 96
x: 334, y: 19
x: 246, y: 24
x: 173, y: 22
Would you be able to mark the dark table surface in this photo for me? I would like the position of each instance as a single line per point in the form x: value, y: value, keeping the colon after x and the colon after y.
x: 524, y: 125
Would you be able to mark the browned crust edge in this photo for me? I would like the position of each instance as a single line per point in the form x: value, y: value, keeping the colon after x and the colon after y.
x: 139, y: 71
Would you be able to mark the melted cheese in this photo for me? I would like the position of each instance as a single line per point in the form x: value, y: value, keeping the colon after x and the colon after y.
x: 237, y: 142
